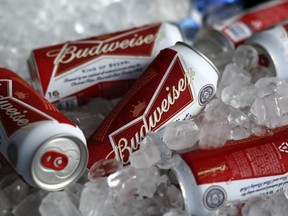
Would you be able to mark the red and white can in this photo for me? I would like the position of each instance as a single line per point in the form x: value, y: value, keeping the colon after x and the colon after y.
x: 225, y: 36
x: 40, y: 143
x: 105, y: 66
x: 176, y: 85
x: 241, y: 169
x: 272, y: 47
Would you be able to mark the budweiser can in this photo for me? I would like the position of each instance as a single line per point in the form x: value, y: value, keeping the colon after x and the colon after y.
x: 39, y: 142
x: 272, y: 46
x: 176, y: 85
x: 228, y: 34
x: 241, y: 169
x: 103, y: 66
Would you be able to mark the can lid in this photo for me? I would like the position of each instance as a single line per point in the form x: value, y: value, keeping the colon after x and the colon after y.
x: 59, y: 162
x: 212, y: 42
x: 185, y: 178
x: 200, y: 54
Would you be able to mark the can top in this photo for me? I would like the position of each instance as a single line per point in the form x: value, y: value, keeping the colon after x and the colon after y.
x: 202, y: 55
x: 212, y: 42
x: 182, y: 174
x: 58, y: 162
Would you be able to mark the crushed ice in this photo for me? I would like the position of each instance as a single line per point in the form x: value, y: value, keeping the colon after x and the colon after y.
x: 248, y: 101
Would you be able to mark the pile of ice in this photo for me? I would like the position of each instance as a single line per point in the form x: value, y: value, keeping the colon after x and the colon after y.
x: 26, y: 25
x: 248, y: 101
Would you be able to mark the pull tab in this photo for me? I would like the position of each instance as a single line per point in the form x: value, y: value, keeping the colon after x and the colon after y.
x: 54, y: 160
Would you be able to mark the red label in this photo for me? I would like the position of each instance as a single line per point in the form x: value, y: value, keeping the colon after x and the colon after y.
x: 249, y: 158
x: 55, y: 60
x: 143, y: 109
x: 54, y: 160
x: 260, y: 18
x: 21, y: 105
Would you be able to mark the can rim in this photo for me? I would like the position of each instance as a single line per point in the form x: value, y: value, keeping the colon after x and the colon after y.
x: 200, y: 54
x: 187, y: 183
x: 73, y: 177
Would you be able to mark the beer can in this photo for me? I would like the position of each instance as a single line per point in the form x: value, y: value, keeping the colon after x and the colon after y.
x: 272, y: 47
x: 39, y: 142
x: 241, y: 169
x: 175, y: 86
x: 103, y: 66
x: 225, y: 36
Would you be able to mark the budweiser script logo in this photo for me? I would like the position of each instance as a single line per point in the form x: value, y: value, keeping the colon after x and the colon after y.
x: 13, y: 113
x: 220, y: 168
x: 153, y: 118
x: 75, y: 51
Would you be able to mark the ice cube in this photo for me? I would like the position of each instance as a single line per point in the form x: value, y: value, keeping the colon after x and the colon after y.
x: 130, y: 181
x: 246, y: 57
x: 96, y: 199
x: 175, y: 196
x: 169, y: 11
x: 260, y: 130
x: 58, y: 204
x: 278, y: 204
x: 30, y: 205
x: 239, y: 95
x: 154, y: 139
x: 239, y: 123
x: 257, y: 206
x: 103, y: 168
x: 169, y: 163
x: 214, y: 134
x: 17, y: 191
x: 268, y: 85
x: 266, y: 111
x: 231, y: 74
x: 281, y: 94
x: 230, y: 209
x: 181, y: 135
x: 75, y: 189
x: 282, y: 88
x: 8, y: 180
x: 145, y: 157
x: 5, y: 205
x: 216, y: 109
x: 143, y: 12
x: 111, y: 12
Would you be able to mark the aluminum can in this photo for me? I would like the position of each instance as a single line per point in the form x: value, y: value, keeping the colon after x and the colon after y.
x: 272, y: 46
x: 103, y: 66
x: 175, y: 86
x: 225, y: 36
x: 39, y: 142
x: 241, y: 169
